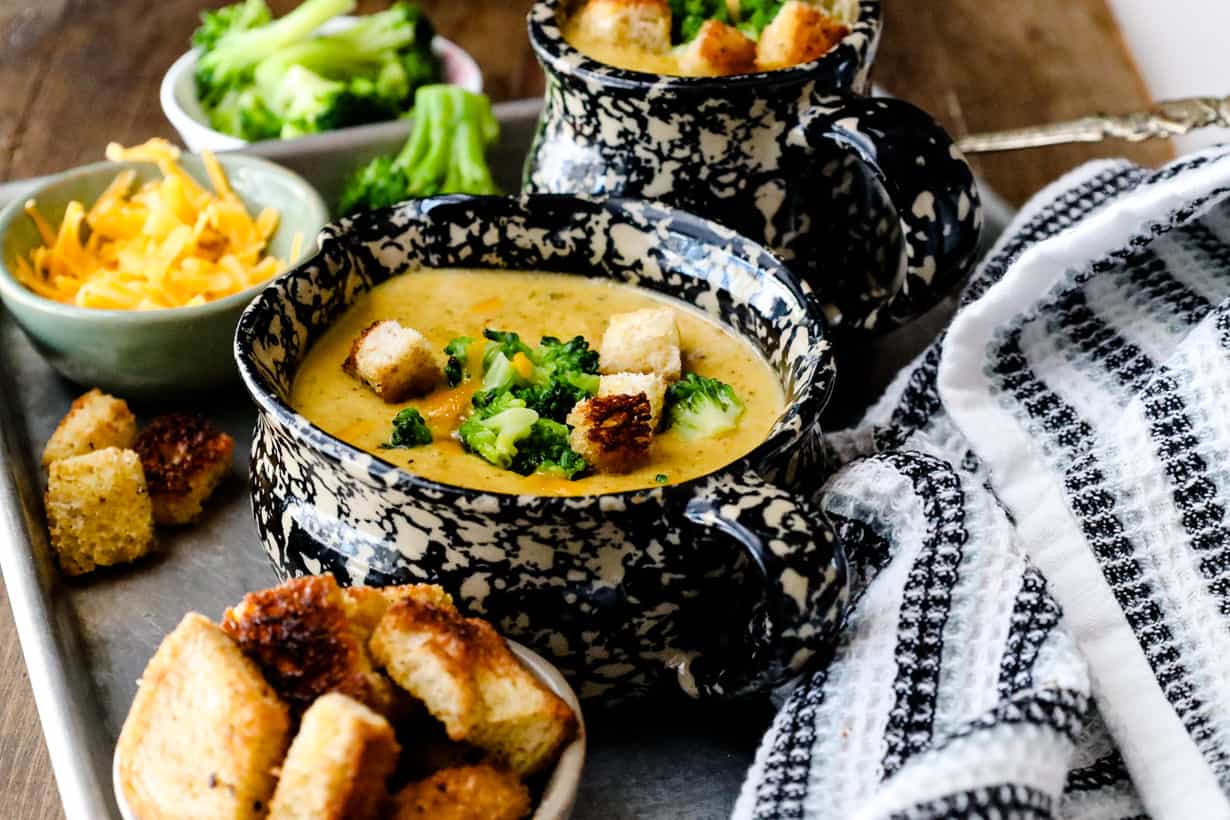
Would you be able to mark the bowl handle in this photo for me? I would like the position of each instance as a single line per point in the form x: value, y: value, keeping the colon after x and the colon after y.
x: 802, y: 567
x: 929, y: 184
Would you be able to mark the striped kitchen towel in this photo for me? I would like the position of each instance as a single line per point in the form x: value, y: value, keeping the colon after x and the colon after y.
x: 1037, y: 516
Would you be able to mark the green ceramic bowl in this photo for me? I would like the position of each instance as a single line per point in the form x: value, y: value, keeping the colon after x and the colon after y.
x: 149, y: 353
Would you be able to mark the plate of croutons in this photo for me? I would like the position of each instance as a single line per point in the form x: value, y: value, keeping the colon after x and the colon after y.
x: 309, y: 700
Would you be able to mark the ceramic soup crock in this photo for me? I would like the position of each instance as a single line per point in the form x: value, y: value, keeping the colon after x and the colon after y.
x: 726, y: 584
x: 867, y: 199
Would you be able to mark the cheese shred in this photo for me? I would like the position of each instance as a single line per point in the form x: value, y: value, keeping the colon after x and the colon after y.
x: 170, y: 243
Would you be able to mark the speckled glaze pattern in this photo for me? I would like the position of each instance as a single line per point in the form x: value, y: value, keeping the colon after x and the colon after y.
x: 723, y: 585
x: 866, y: 199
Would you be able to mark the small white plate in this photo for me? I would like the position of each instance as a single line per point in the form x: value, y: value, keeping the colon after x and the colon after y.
x: 177, y: 94
x: 558, y: 796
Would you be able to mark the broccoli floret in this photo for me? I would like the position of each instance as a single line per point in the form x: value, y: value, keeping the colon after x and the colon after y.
x: 444, y: 153
x: 495, y: 437
x: 304, y: 101
x: 687, y: 16
x: 506, y: 342
x: 409, y: 430
x: 234, y: 55
x: 546, y: 450
x: 242, y: 113
x: 700, y: 407
x: 238, y: 17
x: 554, y: 400
x: 458, y: 352
x: 754, y: 15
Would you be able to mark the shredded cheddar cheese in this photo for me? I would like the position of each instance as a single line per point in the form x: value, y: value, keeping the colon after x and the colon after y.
x: 170, y: 243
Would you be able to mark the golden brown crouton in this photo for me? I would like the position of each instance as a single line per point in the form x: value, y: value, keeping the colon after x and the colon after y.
x: 480, y: 792
x: 338, y: 764
x: 650, y: 385
x: 94, y: 422
x: 98, y: 510
x: 640, y: 24
x: 718, y: 50
x: 185, y: 459
x: 298, y: 634
x: 365, y: 606
x: 469, y: 680
x: 612, y: 433
x: 643, y: 341
x: 205, y: 732
x: 801, y: 32
x: 396, y: 362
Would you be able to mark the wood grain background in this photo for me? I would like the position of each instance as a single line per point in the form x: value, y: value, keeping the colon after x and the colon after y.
x: 75, y: 75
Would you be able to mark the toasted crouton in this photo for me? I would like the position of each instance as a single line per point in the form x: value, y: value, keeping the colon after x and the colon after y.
x: 801, y: 32
x: 205, y: 732
x: 299, y: 635
x: 469, y: 680
x: 98, y: 510
x: 650, y: 385
x: 718, y: 50
x: 365, y: 606
x: 480, y: 792
x: 94, y: 422
x: 185, y: 459
x: 612, y: 433
x: 639, y: 24
x: 643, y: 341
x: 338, y: 764
x: 396, y: 362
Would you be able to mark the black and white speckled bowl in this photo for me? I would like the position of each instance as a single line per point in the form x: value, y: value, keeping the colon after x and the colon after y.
x: 722, y: 585
x: 867, y: 199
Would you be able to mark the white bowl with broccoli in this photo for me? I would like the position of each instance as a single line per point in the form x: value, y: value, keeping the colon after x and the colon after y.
x: 306, y: 102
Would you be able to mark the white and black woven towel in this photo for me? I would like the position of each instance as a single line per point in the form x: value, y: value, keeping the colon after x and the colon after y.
x: 1038, y: 517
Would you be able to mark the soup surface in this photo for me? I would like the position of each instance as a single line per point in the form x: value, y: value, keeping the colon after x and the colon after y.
x: 444, y: 304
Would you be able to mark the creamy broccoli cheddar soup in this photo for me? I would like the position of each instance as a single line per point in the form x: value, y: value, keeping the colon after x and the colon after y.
x: 707, y: 38
x: 510, y: 411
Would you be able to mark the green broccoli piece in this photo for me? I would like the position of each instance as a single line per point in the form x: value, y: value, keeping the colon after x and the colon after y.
x: 505, y: 342
x: 553, y: 401
x: 369, y: 58
x: 687, y: 16
x: 754, y: 15
x: 242, y: 113
x: 233, y: 56
x: 217, y: 24
x: 458, y: 352
x: 700, y: 407
x: 546, y: 450
x: 304, y: 101
x: 444, y: 153
x: 495, y: 437
x: 409, y: 430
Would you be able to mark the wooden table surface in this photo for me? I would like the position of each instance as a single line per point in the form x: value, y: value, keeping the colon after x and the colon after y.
x: 76, y: 74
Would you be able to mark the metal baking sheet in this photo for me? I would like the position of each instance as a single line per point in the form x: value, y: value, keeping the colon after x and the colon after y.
x: 86, y: 640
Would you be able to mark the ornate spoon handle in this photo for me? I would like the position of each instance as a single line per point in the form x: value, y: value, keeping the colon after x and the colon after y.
x: 1166, y: 119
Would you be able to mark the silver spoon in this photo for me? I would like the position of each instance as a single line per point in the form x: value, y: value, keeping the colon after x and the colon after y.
x: 1163, y: 120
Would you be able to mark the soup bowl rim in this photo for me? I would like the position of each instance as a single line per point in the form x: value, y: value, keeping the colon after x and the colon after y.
x: 562, y: 58
x: 372, y: 469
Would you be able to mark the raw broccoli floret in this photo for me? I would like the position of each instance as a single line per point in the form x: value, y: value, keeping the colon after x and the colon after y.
x: 242, y: 113
x: 458, y: 352
x: 305, y: 102
x: 444, y: 154
x: 687, y: 16
x: 233, y: 56
x: 238, y: 17
x: 546, y: 450
x: 370, y: 59
x: 495, y: 437
x: 700, y: 407
x: 409, y: 430
x: 754, y: 15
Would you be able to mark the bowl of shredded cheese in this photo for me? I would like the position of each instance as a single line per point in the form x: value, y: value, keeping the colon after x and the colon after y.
x: 131, y: 274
